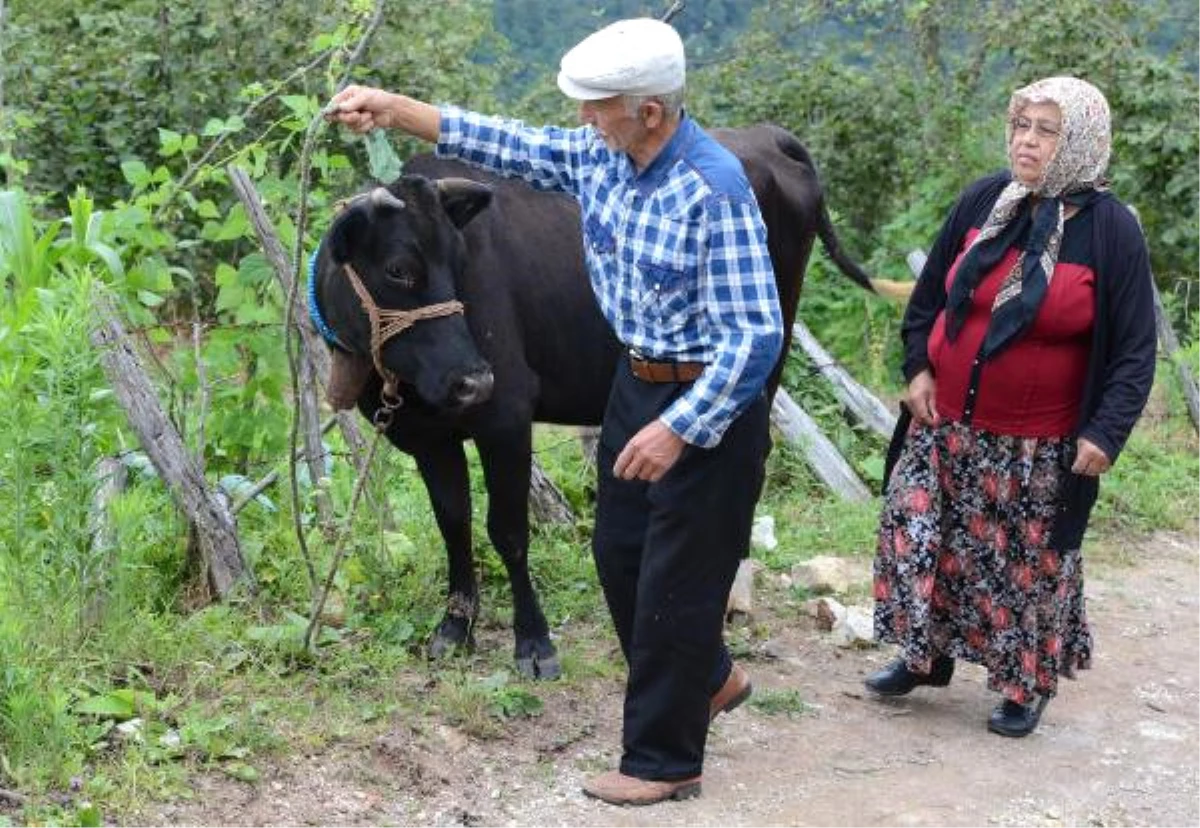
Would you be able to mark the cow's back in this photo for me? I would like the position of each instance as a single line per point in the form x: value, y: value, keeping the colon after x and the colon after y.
x: 529, y: 300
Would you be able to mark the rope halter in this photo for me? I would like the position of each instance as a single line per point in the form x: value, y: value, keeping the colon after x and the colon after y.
x: 387, y: 323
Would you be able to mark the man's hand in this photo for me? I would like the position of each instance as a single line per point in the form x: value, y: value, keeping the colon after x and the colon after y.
x: 922, y: 398
x: 649, y: 454
x: 1090, y: 461
x: 364, y: 108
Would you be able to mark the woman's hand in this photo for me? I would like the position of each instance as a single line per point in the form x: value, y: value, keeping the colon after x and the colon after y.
x: 922, y: 398
x: 1090, y: 461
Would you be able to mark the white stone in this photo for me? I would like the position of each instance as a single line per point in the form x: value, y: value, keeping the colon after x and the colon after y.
x: 827, y: 574
x: 762, y: 533
x: 855, y: 629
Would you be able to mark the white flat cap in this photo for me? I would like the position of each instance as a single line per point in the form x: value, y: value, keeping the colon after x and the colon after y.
x: 642, y: 56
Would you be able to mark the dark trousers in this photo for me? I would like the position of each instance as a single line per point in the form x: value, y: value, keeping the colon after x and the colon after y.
x: 666, y: 554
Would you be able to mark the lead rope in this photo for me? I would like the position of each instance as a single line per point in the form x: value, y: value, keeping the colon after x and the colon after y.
x: 314, y: 620
x: 385, y: 324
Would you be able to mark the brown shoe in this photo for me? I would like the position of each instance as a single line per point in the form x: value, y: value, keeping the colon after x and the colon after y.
x: 616, y: 788
x: 734, y: 691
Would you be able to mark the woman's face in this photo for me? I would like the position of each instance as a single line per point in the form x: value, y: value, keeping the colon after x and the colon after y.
x: 1036, y: 131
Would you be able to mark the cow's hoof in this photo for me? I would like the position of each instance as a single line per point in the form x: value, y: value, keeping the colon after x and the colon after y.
x: 540, y: 667
x: 452, y: 636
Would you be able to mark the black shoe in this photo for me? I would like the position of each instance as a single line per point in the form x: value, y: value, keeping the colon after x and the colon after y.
x: 896, y: 679
x: 1016, y: 720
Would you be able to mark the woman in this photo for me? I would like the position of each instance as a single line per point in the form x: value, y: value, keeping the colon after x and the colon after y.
x: 1029, y: 350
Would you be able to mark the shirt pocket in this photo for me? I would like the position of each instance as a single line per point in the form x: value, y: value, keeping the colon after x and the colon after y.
x: 668, y: 292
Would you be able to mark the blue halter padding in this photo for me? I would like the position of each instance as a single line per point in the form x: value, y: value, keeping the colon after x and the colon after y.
x: 314, y: 311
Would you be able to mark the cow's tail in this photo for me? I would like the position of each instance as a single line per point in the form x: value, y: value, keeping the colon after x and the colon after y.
x: 888, y: 288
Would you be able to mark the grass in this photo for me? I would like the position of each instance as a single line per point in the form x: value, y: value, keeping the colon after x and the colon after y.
x: 787, y: 703
x: 1155, y: 483
x: 809, y: 521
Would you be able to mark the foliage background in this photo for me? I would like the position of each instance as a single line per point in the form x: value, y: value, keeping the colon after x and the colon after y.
x: 117, y: 120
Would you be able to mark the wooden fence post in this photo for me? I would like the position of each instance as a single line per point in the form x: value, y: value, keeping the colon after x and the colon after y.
x: 798, y: 427
x: 207, y: 511
x: 315, y: 361
x: 860, y: 402
x: 1170, y: 344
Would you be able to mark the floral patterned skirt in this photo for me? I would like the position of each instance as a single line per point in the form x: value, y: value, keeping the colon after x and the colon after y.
x: 963, y: 568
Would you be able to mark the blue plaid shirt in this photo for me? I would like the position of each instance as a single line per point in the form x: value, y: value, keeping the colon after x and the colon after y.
x: 677, y: 254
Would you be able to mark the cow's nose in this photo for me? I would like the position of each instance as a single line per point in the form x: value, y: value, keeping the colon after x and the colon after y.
x: 473, y: 388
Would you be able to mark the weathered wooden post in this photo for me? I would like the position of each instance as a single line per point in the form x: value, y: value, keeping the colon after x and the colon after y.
x: 207, y: 511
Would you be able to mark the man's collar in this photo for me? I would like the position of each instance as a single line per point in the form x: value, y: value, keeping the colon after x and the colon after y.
x: 648, y: 179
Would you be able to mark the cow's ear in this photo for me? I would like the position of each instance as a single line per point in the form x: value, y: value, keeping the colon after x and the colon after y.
x: 462, y: 198
x: 346, y: 228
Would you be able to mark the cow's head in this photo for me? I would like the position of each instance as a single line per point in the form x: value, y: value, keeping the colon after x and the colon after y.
x: 404, y: 246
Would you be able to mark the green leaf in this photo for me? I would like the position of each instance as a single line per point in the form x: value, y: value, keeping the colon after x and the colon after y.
x: 241, y: 771
x: 136, y: 173
x: 110, y: 257
x: 107, y: 706
x: 88, y: 815
x: 169, y: 142
x: 385, y: 165
x: 235, y: 226
x: 301, y: 105
x: 206, y: 209
x: 121, y: 704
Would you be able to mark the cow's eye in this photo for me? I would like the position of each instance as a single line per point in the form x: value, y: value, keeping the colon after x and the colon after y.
x: 401, y: 276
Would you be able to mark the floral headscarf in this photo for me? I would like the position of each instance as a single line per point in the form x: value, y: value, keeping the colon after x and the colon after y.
x: 1074, y: 175
x: 1081, y: 157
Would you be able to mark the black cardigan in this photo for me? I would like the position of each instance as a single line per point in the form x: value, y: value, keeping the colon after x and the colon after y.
x: 1121, y: 365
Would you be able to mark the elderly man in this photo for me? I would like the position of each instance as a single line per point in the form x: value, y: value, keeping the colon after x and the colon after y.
x: 676, y: 250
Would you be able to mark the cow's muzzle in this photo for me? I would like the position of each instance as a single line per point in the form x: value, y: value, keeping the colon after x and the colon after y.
x: 472, y: 389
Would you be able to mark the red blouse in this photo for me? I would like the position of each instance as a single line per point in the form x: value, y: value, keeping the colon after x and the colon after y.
x: 1033, y: 387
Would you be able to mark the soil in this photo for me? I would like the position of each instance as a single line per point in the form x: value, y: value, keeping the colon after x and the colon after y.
x: 1118, y: 746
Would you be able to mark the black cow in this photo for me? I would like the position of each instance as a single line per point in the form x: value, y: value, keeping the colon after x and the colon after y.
x: 528, y: 345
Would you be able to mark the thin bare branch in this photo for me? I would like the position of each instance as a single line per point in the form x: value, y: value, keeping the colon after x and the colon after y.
x: 180, y: 183
x: 203, y: 389
x: 675, y: 9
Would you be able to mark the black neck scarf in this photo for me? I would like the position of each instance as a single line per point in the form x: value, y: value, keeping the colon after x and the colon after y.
x: 1015, y: 308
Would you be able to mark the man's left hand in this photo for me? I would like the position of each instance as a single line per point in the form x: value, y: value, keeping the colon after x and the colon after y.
x: 1090, y: 461
x: 649, y: 454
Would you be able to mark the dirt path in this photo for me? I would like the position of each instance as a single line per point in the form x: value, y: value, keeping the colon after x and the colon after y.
x: 1117, y: 747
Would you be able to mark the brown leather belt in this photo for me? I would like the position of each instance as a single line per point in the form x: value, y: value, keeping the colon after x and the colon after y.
x: 650, y: 371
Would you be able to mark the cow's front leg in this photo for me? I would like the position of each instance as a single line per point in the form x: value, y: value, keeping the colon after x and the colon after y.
x: 444, y: 470
x: 506, y: 469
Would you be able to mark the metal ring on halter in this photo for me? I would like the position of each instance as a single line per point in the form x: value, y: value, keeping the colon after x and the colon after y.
x: 390, y: 400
